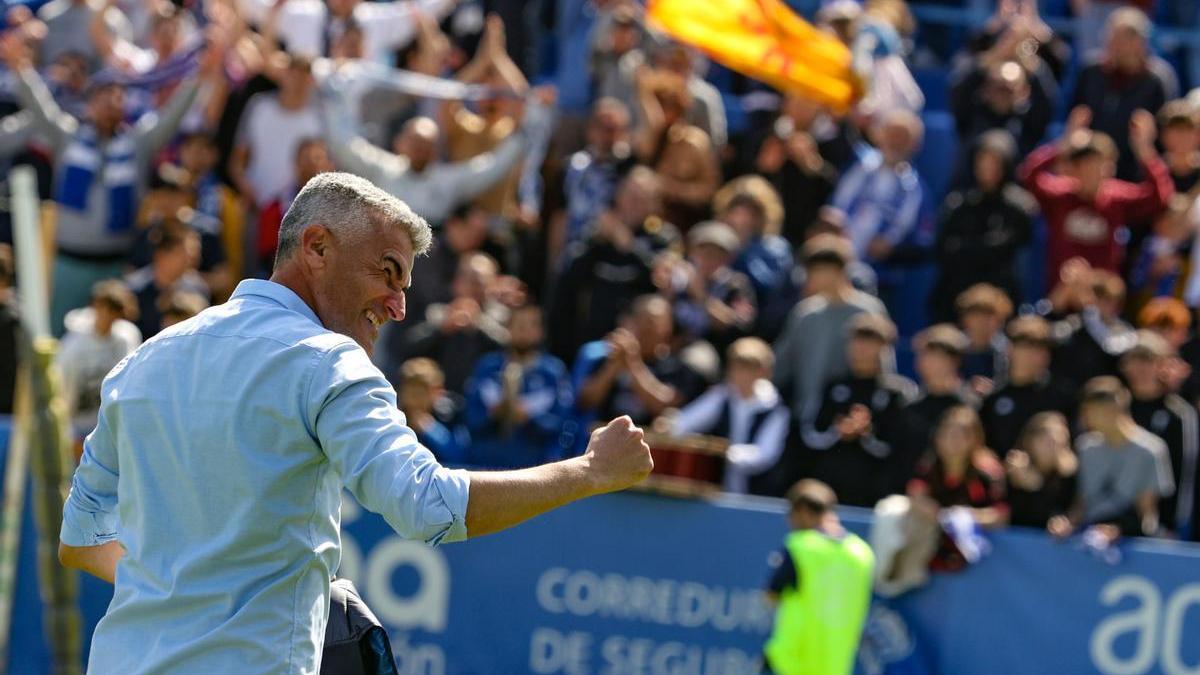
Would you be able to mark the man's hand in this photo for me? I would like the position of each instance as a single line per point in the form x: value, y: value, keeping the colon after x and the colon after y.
x: 617, y: 456
x: 1142, y: 132
x: 854, y: 425
x: 1060, y: 527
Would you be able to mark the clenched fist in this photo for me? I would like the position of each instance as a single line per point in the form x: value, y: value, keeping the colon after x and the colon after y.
x: 618, y: 456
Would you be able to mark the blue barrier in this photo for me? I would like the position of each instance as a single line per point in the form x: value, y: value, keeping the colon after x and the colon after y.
x: 633, y: 583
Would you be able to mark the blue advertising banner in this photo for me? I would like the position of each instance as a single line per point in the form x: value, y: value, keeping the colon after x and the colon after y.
x: 632, y: 583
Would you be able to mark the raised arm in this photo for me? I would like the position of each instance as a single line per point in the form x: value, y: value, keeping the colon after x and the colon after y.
x: 32, y: 93
x: 616, y: 458
x: 351, y: 152
x: 474, y: 176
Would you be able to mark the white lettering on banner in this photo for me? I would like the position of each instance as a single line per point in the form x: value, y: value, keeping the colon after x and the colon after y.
x: 553, y: 652
x: 640, y: 656
x: 428, y: 607
x: 425, y: 659
x: 662, y: 601
x: 1173, y: 621
x: 1145, y: 621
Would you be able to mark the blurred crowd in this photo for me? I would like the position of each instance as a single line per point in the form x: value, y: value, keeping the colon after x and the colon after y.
x: 625, y: 228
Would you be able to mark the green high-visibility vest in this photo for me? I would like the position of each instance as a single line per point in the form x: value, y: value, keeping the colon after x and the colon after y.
x: 818, y: 623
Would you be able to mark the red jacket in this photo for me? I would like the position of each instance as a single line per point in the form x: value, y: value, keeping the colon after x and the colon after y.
x: 1089, y: 228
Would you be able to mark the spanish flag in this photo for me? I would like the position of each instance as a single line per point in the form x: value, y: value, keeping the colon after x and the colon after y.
x: 765, y: 40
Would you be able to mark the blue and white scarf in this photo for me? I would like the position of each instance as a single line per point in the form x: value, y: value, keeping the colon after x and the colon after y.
x: 117, y: 165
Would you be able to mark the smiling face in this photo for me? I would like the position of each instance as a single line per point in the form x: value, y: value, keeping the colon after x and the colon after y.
x: 359, y: 282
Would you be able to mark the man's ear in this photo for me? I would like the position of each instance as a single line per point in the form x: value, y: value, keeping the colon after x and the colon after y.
x: 315, y: 243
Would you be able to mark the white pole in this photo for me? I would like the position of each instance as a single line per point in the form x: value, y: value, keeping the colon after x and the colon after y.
x: 27, y: 241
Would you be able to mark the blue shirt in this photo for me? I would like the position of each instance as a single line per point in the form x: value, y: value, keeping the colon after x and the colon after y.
x: 218, y: 461
x: 544, y: 392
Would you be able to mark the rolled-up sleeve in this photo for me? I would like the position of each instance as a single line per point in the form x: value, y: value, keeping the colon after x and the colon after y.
x: 90, y: 514
x: 354, y: 417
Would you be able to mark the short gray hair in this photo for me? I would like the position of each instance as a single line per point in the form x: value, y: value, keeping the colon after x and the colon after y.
x: 346, y: 203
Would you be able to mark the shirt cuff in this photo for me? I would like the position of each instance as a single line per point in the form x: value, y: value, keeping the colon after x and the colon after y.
x: 455, y: 488
x: 82, y: 528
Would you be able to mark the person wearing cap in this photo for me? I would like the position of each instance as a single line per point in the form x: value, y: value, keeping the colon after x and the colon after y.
x: 1085, y: 206
x: 982, y: 227
x: 1092, y: 337
x: 854, y: 435
x: 711, y: 301
x: 939, y: 350
x: 821, y: 587
x: 982, y: 312
x: 1126, y: 77
x: 102, y: 166
x: 1171, y: 418
x: 1124, y: 470
x: 1029, y: 386
x: 811, y: 349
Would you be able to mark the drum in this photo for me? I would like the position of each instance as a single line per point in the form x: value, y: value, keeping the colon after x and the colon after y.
x: 686, y: 465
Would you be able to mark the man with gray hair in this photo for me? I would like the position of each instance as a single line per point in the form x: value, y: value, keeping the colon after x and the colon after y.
x: 211, y: 488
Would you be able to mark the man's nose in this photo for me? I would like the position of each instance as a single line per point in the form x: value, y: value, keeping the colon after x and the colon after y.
x: 395, y: 307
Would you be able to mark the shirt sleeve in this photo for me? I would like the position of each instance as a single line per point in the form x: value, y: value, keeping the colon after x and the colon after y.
x: 90, y: 513
x: 783, y: 573
x: 353, y: 415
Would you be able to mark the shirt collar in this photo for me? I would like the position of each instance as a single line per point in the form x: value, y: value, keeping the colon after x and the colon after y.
x: 278, y: 293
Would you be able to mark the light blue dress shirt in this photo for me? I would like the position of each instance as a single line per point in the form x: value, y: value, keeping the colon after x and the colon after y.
x: 218, y: 462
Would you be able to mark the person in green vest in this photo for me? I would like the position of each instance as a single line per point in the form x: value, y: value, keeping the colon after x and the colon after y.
x: 821, y: 586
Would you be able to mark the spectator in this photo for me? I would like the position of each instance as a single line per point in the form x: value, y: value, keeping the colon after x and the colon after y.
x: 617, y: 52
x: 168, y: 200
x: 745, y: 410
x: 10, y: 326
x: 68, y: 25
x: 95, y: 214
x: 1172, y: 320
x: 982, y: 228
x: 97, y: 338
x: 1171, y: 419
x: 1181, y: 146
x: 960, y: 472
x: 1124, y: 470
x: 830, y: 221
x: 518, y: 399
x: 270, y: 132
x: 593, y: 173
x: 1126, y: 78
x: 423, y: 399
x: 1029, y: 386
x: 413, y: 173
x: 603, y: 275
x: 997, y: 92
x: 172, y: 268
x: 634, y: 370
x: 310, y: 27
x: 706, y: 110
x: 166, y: 38
x: 711, y: 300
x: 1041, y: 471
x: 312, y: 158
x: 792, y: 160
x: 855, y: 433
x: 1093, y: 337
x: 182, y: 305
x: 983, y: 310
x: 939, y: 350
x: 471, y: 133
x: 457, y: 333
x: 881, y: 194
x: 810, y: 351
x: 754, y: 210
x: 215, y: 201
x: 681, y: 153
x: 1085, y: 207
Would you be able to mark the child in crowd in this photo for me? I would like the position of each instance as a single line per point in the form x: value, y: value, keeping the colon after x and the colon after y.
x: 747, y: 411
x: 421, y: 393
x: 1041, y: 471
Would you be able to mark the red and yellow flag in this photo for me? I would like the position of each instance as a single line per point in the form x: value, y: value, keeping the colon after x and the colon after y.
x: 767, y: 41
